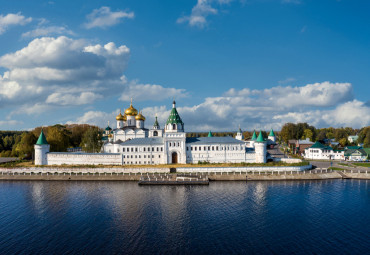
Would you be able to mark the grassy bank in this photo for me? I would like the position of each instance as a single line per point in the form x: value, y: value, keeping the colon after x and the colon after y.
x: 365, y: 164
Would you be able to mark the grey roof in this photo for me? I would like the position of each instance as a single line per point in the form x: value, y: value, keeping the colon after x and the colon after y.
x: 144, y: 141
x: 307, y: 141
x: 212, y: 140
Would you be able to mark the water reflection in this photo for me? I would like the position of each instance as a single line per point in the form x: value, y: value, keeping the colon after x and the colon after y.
x: 224, y: 217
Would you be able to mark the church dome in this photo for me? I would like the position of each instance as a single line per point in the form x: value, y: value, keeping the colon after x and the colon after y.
x: 120, y: 116
x: 131, y: 111
x: 140, y: 117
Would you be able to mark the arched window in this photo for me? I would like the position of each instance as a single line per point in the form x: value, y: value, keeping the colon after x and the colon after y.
x: 174, y: 126
x: 155, y: 133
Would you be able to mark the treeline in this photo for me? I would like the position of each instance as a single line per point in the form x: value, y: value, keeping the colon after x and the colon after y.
x: 60, y: 137
x: 297, y: 131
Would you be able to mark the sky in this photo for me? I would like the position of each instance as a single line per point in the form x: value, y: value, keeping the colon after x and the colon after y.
x: 253, y: 63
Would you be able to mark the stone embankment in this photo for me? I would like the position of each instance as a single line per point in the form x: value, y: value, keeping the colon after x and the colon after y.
x: 214, y: 174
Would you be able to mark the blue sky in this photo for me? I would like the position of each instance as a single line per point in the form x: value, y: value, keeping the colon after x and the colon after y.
x: 257, y: 64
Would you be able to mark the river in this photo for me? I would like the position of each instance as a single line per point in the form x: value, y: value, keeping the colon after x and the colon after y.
x: 98, y: 217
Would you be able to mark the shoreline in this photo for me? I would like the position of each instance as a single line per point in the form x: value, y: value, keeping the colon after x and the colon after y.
x: 211, y: 176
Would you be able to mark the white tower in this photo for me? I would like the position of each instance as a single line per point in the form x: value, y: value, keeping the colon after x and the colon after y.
x: 41, y: 149
x: 174, y: 122
x: 174, y: 138
x: 156, y: 129
x: 272, y: 137
x: 239, y: 135
x: 260, y: 149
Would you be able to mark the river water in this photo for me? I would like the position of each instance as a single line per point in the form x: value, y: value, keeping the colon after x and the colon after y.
x: 280, y: 217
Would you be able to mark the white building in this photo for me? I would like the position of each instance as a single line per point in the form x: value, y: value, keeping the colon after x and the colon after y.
x: 132, y: 144
x: 320, y: 151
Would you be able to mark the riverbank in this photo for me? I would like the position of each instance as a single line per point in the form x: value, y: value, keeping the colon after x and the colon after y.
x: 216, y: 176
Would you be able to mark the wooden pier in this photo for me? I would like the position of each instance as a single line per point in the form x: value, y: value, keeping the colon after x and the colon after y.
x: 174, y: 179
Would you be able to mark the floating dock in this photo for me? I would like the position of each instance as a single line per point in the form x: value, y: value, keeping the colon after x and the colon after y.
x: 174, y: 179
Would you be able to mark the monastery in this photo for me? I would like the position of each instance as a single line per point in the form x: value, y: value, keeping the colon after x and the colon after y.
x: 130, y: 143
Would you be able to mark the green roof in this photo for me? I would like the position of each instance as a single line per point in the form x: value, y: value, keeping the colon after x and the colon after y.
x: 272, y: 133
x: 174, y: 117
x: 367, y: 150
x: 210, y: 134
x: 42, y: 139
x: 260, y: 138
x: 108, y: 128
x: 318, y: 145
x: 353, y: 147
x: 156, y: 124
x: 254, y: 136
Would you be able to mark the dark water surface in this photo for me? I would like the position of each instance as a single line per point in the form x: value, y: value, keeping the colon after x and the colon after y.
x: 287, y: 217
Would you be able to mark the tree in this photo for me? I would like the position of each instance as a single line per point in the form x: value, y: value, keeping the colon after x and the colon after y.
x: 364, y: 136
x: 25, y: 147
x: 58, y: 138
x: 322, y: 135
x: 307, y: 133
x: 288, y: 132
x: 343, y: 141
x: 91, y: 141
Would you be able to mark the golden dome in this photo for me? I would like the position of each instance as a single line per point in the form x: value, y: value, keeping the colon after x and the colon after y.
x: 131, y: 111
x: 124, y: 117
x: 120, y: 116
x: 140, y: 117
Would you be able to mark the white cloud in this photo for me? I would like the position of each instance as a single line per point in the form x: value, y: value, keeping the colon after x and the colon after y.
x: 71, y: 99
x: 258, y: 109
x: 97, y: 118
x: 45, y: 31
x: 200, y: 12
x: 12, y: 19
x: 61, y: 71
x: 10, y: 122
x: 153, y: 92
x: 104, y: 17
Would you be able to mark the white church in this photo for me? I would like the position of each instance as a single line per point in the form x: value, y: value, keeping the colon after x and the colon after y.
x: 133, y: 144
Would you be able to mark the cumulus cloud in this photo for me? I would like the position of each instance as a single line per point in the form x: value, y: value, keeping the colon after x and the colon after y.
x: 200, y: 12
x: 45, y: 31
x: 332, y: 105
x: 153, y: 92
x: 62, y: 71
x: 98, y: 118
x: 12, y: 19
x: 104, y: 17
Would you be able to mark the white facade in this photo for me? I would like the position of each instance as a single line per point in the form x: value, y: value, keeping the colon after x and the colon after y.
x: 132, y: 144
x: 323, y: 153
x: 41, y: 151
x: 65, y: 158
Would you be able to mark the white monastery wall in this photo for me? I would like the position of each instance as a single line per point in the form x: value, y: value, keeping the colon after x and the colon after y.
x: 56, y: 158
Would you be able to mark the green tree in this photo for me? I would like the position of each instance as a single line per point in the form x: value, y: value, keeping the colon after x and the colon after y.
x: 288, y: 131
x: 321, y: 135
x: 343, y: 141
x: 91, y: 140
x: 25, y: 147
x: 58, y: 138
x: 307, y: 133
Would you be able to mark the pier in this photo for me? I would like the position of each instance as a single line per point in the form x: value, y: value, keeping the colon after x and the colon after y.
x: 174, y: 179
